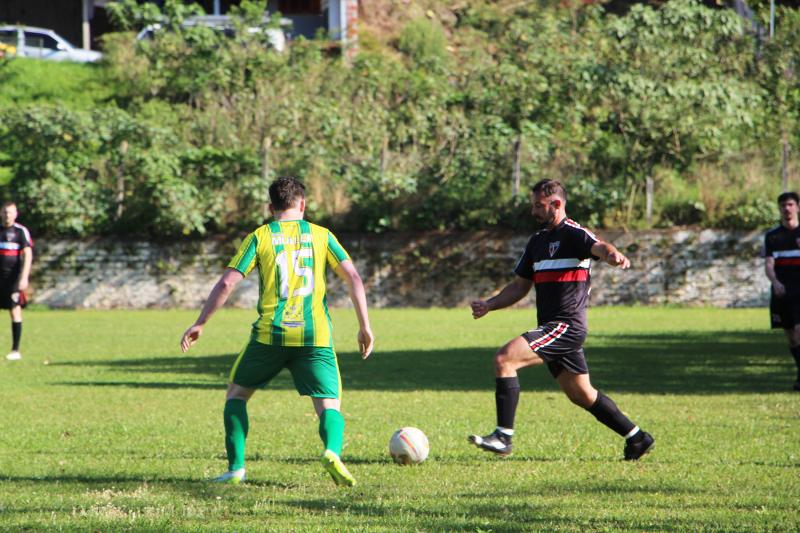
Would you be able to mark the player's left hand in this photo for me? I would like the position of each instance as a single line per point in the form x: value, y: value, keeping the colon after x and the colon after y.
x: 617, y: 259
x: 366, y: 341
x: 190, y: 336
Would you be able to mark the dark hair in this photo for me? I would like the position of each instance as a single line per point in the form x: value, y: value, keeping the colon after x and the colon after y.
x: 786, y: 196
x: 285, y: 191
x: 9, y: 203
x: 549, y: 188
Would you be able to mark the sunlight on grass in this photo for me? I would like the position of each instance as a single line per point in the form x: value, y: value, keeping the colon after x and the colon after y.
x: 110, y: 427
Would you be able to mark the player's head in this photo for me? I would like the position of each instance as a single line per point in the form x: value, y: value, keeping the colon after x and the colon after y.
x: 548, y: 201
x: 789, y: 205
x: 9, y: 214
x: 287, y: 193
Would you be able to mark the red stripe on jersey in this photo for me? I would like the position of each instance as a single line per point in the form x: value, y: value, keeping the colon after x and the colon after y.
x: 561, y: 276
x: 787, y: 261
x: 9, y: 252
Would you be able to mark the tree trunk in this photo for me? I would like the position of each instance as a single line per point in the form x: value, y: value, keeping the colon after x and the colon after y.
x: 515, y: 177
x: 120, y: 198
x: 266, y: 145
x: 785, y: 163
x: 649, y: 185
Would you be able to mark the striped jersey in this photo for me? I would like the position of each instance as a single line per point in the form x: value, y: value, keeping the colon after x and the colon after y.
x: 558, y: 261
x: 783, y: 244
x: 291, y: 257
x: 13, y: 240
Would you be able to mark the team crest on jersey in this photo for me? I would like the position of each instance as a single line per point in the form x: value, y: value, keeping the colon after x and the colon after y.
x: 797, y: 240
x: 554, y: 247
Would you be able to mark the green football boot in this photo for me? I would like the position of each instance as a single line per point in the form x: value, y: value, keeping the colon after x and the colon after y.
x: 337, y: 470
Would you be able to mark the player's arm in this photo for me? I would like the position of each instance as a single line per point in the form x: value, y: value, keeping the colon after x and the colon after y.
x: 769, y: 269
x: 27, y: 259
x: 511, y: 294
x: 355, y: 287
x: 607, y: 252
x: 216, y: 299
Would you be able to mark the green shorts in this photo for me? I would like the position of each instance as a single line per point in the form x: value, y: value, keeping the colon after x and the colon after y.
x: 314, y: 369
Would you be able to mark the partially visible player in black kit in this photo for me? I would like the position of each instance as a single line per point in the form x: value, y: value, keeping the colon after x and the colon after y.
x: 782, y: 265
x: 16, y: 254
x: 557, y: 262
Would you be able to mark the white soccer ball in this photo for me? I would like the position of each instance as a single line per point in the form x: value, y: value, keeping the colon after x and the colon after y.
x: 408, y: 446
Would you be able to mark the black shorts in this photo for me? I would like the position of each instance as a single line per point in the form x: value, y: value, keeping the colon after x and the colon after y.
x: 10, y: 296
x: 784, y: 312
x: 560, y: 345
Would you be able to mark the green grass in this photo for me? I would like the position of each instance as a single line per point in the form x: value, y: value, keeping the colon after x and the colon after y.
x: 34, y: 81
x: 107, y: 427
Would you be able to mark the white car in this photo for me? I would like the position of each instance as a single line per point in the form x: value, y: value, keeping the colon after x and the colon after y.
x: 42, y: 43
x: 223, y: 23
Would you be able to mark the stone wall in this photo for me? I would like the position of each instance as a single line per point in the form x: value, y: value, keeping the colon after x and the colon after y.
x: 705, y: 267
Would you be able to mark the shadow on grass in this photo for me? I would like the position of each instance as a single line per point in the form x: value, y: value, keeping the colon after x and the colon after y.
x: 687, y: 362
x: 104, y: 481
x: 146, y: 384
x: 493, y: 515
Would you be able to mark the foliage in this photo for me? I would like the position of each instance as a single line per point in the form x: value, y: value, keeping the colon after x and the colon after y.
x: 444, y: 125
x: 104, y: 171
x: 424, y: 41
x: 25, y: 81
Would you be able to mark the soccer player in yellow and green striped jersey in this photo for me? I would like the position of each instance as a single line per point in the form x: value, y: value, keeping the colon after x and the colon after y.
x: 293, y: 329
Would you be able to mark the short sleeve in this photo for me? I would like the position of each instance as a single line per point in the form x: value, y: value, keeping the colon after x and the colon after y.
x: 524, y: 268
x: 585, y: 240
x: 336, y: 253
x: 245, y: 259
x: 25, y: 238
x: 766, y: 250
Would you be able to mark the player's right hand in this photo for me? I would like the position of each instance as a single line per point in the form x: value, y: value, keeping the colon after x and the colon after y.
x: 778, y: 288
x: 190, y: 336
x: 479, y: 308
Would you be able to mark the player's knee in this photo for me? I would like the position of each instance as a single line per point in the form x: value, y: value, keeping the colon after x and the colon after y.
x: 502, y: 361
x: 581, y: 398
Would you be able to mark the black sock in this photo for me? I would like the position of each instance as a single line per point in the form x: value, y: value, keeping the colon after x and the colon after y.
x: 506, y: 397
x: 606, y: 411
x: 796, y: 354
x: 16, y: 335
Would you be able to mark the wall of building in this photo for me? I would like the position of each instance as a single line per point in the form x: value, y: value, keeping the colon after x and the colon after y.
x: 712, y: 268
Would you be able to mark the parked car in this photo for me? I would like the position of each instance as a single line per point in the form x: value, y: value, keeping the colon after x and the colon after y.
x: 7, y: 50
x: 42, y: 43
x: 223, y: 23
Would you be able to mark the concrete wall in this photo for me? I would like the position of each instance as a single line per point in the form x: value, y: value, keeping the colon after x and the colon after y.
x: 706, y: 267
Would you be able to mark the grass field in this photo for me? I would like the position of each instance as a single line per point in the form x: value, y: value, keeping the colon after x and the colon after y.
x: 107, y: 427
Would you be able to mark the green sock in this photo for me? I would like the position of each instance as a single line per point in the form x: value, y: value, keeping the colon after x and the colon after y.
x: 331, y: 430
x: 236, y: 425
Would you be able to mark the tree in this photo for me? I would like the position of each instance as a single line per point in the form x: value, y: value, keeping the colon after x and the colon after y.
x: 676, y: 88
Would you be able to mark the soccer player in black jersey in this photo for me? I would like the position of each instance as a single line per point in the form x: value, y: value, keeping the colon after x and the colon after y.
x: 782, y: 265
x: 557, y: 262
x: 15, y: 267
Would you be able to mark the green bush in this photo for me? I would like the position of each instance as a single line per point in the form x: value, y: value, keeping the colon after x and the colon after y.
x: 425, y: 42
x: 754, y: 212
x: 180, y: 135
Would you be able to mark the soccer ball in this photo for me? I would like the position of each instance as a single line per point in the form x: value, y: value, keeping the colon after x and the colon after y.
x: 408, y: 446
